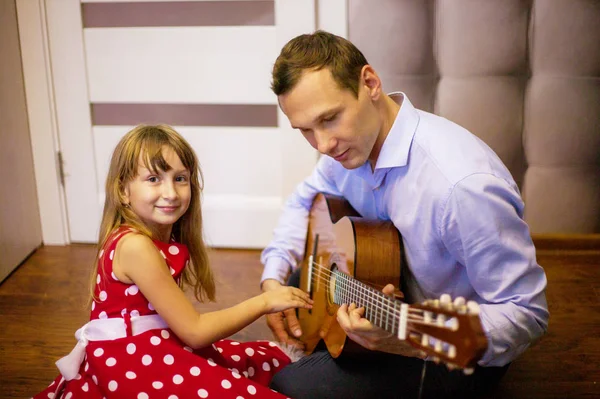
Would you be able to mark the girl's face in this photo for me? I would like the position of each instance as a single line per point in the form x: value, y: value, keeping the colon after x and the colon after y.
x: 160, y: 199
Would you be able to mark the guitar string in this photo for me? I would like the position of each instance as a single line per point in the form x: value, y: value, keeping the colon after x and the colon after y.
x: 321, y: 275
x: 363, y: 289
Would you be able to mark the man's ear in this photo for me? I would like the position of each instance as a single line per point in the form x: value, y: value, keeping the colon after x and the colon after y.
x: 370, y: 80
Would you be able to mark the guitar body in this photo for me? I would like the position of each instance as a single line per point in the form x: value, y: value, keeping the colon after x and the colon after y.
x: 339, y: 238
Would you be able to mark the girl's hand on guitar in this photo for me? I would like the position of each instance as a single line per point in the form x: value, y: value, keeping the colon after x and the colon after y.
x: 282, y: 324
x: 284, y: 298
x: 361, y: 331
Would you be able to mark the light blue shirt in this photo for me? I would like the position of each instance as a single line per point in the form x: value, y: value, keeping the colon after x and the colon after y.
x: 460, y: 215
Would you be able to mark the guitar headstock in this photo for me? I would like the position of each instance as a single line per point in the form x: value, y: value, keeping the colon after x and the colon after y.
x: 450, y: 331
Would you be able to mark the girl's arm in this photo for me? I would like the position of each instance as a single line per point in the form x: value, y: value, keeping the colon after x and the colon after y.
x: 137, y: 261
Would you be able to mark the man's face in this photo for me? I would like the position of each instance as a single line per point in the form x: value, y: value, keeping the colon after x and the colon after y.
x: 333, y: 120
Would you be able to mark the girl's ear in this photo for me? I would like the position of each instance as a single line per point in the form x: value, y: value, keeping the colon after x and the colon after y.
x: 125, y: 194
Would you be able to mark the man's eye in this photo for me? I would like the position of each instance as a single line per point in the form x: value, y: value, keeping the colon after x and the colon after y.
x: 330, y: 118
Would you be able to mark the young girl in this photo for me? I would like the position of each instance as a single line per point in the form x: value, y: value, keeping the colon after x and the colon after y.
x: 144, y: 338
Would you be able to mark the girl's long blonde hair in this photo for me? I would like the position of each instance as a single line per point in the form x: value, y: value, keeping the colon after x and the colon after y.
x: 146, y: 143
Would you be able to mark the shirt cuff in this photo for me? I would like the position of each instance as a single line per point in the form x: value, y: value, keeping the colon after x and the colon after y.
x: 277, y: 269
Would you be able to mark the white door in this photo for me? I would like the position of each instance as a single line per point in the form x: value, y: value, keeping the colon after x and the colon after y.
x: 115, y: 65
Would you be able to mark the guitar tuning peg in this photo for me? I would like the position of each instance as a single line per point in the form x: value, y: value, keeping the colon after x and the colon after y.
x: 468, y: 371
x: 459, y: 301
x: 445, y: 299
x: 473, y: 307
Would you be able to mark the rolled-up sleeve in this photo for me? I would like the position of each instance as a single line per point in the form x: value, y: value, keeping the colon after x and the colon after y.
x: 483, y: 227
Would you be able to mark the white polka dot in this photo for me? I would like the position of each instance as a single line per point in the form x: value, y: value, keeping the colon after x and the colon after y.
x: 157, y: 385
x: 93, y: 305
x: 78, y: 376
x: 131, y: 348
x: 249, y: 351
x: 239, y: 397
x: 234, y: 343
x: 251, y: 390
x: 69, y: 395
x: 155, y: 340
x: 98, y: 279
x: 235, y: 358
x: 51, y: 395
x: 202, y: 393
x: 173, y: 250
x: 103, y: 315
x: 163, y: 254
x: 86, y: 368
x: 172, y: 397
x: 134, y: 313
x: 275, y: 363
x: 112, y: 274
x: 103, y: 296
x: 245, y: 374
x: 226, y: 384
x: 250, y: 371
x: 195, y: 371
x: 146, y: 360
x: 150, y: 306
x: 100, y: 253
x: 142, y: 395
x: 85, y: 387
x: 260, y: 352
x: 133, y: 290
x: 169, y: 360
x: 95, y: 379
x: 171, y: 270
x: 123, y: 312
x: 272, y: 344
x: 165, y: 334
x: 111, y: 361
x: 177, y: 379
x: 187, y: 348
x: 220, y: 350
x: 131, y: 375
x: 266, y: 366
x: 211, y: 362
x: 112, y: 254
x: 235, y: 374
x: 99, y: 352
x: 112, y: 386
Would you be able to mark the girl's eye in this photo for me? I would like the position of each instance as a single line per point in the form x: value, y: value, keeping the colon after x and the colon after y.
x: 181, y: 178
x: 152, y: 179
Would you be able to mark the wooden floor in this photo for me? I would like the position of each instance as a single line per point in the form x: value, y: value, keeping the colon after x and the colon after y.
x: 42, y: 304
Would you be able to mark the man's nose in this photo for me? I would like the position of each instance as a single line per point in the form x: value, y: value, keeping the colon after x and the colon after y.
x: 325, y: 142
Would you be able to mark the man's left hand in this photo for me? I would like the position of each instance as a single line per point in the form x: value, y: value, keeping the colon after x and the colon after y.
x: 361, y: 331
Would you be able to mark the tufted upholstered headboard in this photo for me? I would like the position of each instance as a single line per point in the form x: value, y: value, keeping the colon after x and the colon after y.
x: 524, y: 75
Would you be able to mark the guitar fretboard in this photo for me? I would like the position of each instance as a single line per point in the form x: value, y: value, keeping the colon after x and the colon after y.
x: 380, y: 310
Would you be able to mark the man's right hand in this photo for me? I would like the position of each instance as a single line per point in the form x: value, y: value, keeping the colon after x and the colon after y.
x: 284, y: 325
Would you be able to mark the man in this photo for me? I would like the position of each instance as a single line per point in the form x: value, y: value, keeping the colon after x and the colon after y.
x: 455, y: 204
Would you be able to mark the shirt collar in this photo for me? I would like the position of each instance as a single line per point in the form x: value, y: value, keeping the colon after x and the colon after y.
x: 394, y: 152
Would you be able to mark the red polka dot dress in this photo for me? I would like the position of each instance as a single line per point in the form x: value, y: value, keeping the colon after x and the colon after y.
x: 142, y: 358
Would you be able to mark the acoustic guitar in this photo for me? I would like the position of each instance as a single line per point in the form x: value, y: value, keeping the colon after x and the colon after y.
x: 348, y: 260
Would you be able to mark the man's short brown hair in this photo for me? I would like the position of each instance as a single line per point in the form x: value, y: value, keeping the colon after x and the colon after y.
x: 314, y: 52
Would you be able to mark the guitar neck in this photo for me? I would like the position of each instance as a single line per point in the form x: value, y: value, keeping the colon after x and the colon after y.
x: 381, y: 310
